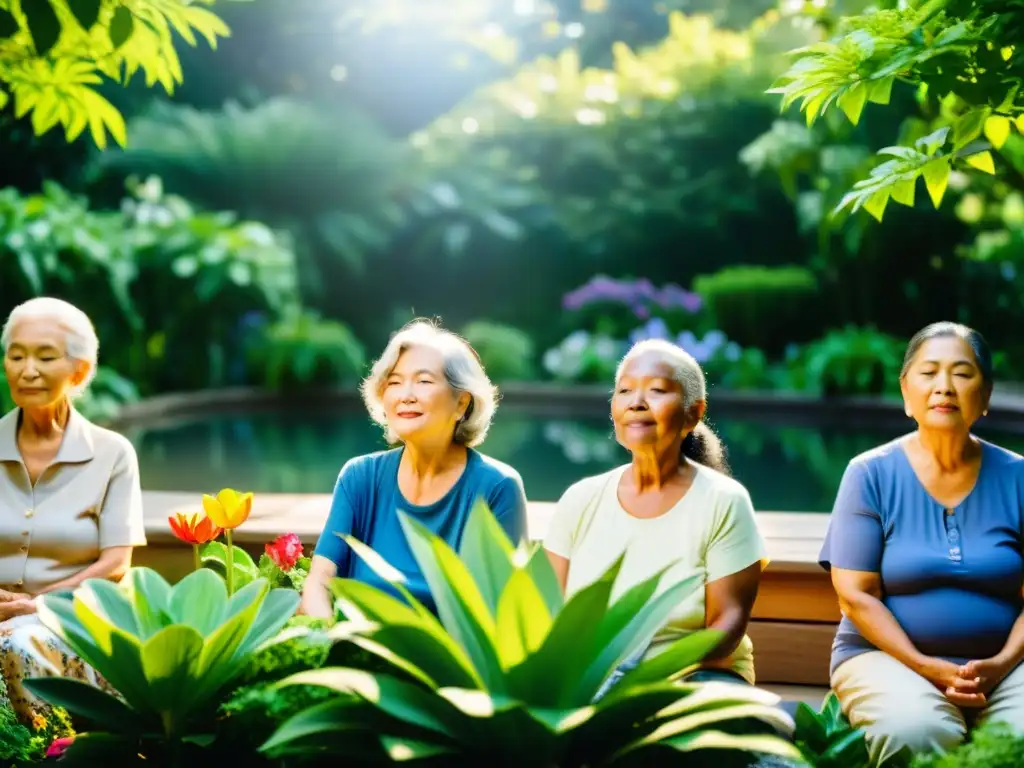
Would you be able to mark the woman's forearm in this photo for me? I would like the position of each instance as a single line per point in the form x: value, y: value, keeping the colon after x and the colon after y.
x: 1013, y: 648
x: 110, y: 567
x: 316, y: 600
x: 733, y: 626
x: 879, y: 627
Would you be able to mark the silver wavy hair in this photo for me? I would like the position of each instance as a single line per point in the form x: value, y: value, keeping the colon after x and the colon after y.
x: 462, y: 370
x: 81, y: 342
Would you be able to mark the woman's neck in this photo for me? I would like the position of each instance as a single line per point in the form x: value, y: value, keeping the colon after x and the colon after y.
x: 949, y: 450
x: 425, y: 462
x: 45, y: 423
x: 652, y: 472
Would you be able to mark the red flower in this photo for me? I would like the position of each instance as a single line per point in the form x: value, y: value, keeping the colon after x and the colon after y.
x: 59, y: 746
x: 192, y: 530
x: 285, y: 551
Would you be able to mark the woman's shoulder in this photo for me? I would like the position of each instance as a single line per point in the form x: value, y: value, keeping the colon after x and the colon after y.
x: 882, y: 457
x: 1009, y: 463
x: 106, y: 441
x: 489, y: 472
x: 721, y: 484
x: 582, y: 491
x: 370, y: 465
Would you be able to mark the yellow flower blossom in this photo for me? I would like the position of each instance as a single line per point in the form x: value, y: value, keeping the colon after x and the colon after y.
x: 229, y: 509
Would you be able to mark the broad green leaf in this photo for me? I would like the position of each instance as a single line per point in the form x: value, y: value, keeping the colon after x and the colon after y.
x: 543, y: 575
x: 551, y: 676
x: 487, y: 553
x: 400, y: 663
x: 997, y: 130
x: 277, y: 609
x: 810, y: 728
x: 86, y: 701
x: 523, y: 620
x: 931, y: 143
x: 852, y: 101
x: 216, y: 553
x: 849, y: 749
x: 376, y: 563
x: 982, y: 161
x: 634, y: 618
x: 403, y: 749
x: 459, y: 603
x: 875, y: 205
x: 8, y: 24
x: 683, y: 653
x: 170, y: 660
x: 758, y: 744
x: 406, y: 702
x: 43, y: 24
x: 150, y: 595
x: 1019, y: 123
x: 107, y: 599
x: 903, y: 191
x: 969, y: 127
x: 936, y: 178
x: 705, y: 718
x: 86, y: 12
x: 617, y: 720
x: 121, y: 26
x: 199, y: 600
x: 343, y: 715
x: 439, y: 658
x: 880, y: 91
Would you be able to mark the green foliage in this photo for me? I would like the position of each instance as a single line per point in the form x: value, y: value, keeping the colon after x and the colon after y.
x: 22, y: 744
x: 993, y: 745
x: 851, y: 361
x: 294, y: 578
x: 303, y: 644
x: 764, y: 307
x: 963, y: 58
x: 510, y: 671
x: 606, y: 156
x: 169, y: 651
x: 583, y: 358
x: 214, y: 556
x: 164, y: 284
x: 55, y: 55
x: 303, y: 350
x: 826, y: 738
x: 507, y: 353
x: 107, y: 393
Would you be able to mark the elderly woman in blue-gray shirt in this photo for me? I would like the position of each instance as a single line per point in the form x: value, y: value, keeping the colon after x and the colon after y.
x: 925, y: 551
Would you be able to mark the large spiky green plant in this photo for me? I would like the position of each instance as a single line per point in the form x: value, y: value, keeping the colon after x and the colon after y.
x: 509, y: 673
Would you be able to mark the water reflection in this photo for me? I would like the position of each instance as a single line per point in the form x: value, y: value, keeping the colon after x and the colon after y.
x: 792, y: 468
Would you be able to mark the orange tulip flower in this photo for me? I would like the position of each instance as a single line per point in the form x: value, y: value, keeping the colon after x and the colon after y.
x: 192, y: 529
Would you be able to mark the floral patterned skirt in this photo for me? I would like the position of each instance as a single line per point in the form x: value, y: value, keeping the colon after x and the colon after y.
x: 28, y: 649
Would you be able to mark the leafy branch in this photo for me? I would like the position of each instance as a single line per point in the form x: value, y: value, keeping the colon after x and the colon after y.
x: 963, y: 59
x: 54, y: 54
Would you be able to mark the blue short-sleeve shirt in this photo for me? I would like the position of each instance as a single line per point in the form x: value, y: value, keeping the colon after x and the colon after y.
x: 366, y: 503
x: 951, y: 577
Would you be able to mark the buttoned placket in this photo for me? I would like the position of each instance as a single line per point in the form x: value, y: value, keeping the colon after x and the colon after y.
x: 30, y: 513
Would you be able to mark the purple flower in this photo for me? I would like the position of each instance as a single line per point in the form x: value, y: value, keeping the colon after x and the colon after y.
x: 655, y: 328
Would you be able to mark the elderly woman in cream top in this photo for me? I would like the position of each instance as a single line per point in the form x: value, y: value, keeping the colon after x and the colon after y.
x: 672, y: 507
x: 70, y: 502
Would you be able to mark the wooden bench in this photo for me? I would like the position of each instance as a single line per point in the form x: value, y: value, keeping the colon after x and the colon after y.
x: 794, y: 618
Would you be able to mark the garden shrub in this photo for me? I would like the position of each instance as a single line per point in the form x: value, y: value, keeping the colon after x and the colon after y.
x: 764, y: 307
x: 506, y: 352
x: 22, y: 744
x: 304, y: 350
x: 993, y: 745
x: 851, y: 361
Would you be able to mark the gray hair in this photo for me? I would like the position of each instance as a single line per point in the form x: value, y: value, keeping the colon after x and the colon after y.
x: 462, y: 370
x: 685, y: 369
x: 81, y: 343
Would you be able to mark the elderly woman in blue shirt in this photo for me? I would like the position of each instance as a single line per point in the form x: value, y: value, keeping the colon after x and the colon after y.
x: 925, y: 551
x: 431, y: 395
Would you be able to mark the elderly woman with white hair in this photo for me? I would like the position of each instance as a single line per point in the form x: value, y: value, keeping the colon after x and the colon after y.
x: 70, y: 501
x: 430, y: 393
x: 674, y: 507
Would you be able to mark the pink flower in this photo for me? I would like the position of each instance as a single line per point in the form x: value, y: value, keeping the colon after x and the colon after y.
x: 59, y: 746
x: 285, y: 551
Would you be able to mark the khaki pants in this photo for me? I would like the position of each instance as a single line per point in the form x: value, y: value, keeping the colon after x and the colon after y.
x: 897, y: 707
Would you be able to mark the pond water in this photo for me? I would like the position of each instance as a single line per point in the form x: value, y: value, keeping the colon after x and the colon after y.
x: 786, y: 467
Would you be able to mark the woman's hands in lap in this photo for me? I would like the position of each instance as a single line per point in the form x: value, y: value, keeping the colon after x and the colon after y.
x: 956, y: 683
x: 15, y: 604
